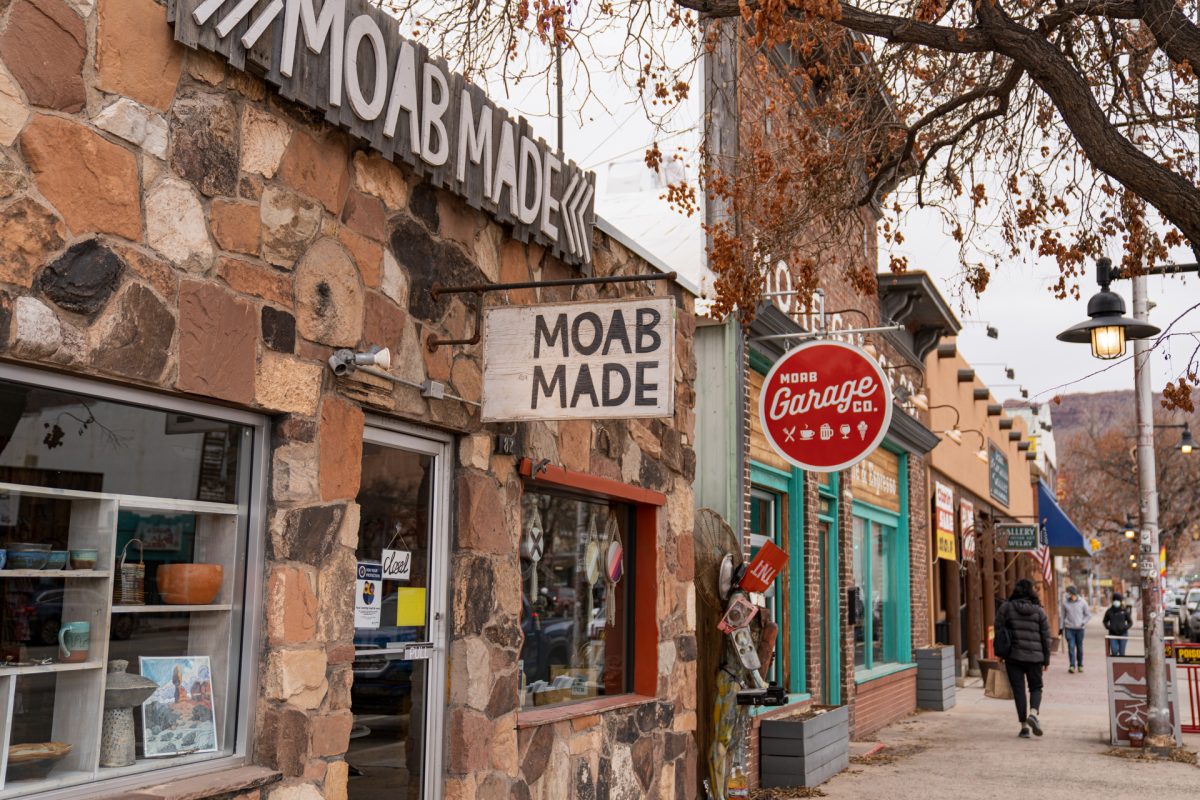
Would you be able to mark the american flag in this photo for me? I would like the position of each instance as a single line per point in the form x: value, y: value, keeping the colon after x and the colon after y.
x: 1043, y: 558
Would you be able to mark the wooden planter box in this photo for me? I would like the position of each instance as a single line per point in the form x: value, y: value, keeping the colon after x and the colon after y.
x: 806, y: 751
x: 936, y: 687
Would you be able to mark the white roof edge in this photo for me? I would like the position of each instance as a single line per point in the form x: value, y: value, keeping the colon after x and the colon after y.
x: 651, y: 259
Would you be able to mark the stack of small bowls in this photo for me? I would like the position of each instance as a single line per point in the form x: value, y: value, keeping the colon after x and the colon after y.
x: 28, y: 555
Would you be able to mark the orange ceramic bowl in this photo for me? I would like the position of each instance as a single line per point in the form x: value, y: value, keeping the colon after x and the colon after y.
x: 189, y: 584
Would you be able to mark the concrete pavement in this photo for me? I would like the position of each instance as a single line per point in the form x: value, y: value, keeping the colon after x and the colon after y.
x: 972, y: 752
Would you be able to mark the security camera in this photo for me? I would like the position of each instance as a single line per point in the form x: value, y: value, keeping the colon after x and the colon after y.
x: 342, y: 362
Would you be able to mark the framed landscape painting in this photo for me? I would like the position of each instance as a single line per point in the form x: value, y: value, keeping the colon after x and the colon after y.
x: 178, y: 718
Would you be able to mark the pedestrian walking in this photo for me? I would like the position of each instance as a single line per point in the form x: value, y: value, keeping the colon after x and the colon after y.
x: 1023, y: 642
x: 1117, y: 621
x: 1075, y: 615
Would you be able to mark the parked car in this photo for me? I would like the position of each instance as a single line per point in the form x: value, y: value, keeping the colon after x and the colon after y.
x: 382, y: 677
x: 1189, y: 616
x: 548, y: 641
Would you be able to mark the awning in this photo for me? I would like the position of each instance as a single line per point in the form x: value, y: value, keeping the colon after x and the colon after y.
x: 1064, y: 538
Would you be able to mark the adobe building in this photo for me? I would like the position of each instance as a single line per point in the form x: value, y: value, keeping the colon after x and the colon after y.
x: 331, y: 585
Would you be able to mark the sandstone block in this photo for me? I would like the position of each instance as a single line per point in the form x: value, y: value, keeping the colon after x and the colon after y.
x: 205, y: 66
x: 136, y: 54
x: 156, y: 272
x: 294, y: 474
x: 366, y: 215
x: 291, y: 606
x: 466, y: 377
x: 377, y: 176
x: 331, y: 733
x: 29, y: 235
x: 575, y: 444
x: 394, y: 281
x: 43, y: 46
x: 236, y: 226
x: 135, y: 124
x: 36, y: 330
x: 288, y: 384
x: 317, y: 169
x: 92, y: 182
x: 281, y: 739
x: 278, y: 330
x: 475, y: 451
x: 13, y: 111
x: 12, y: 171
x: 341, y: 448
x: 481, y: 515
x: 83, y: 278
x: 335, y: 780
x: 335, y: 617
x: 218, y: 339
x: 289, y: 223
x: 367, y: 255
x: 329, y: 302
x: 296, y: 677
x: 204, y: 142
x: 308, y: 534
x: 300, y: 791
x: 470, y: 673
x: 175, y: 226
x: 265, y: 138
x: 467, y: 744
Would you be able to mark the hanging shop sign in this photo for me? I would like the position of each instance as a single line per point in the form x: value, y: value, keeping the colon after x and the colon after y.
x: 1020, y: 538
x: 397, y: 565
x: 612, y: 359
x: 966, y: 522
x: 944, y: 521
x: 997, y: 474
x: 347, y: 59
x: 825, y: 406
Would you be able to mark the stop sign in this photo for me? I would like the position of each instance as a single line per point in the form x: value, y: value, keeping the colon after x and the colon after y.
x: 825, y: 406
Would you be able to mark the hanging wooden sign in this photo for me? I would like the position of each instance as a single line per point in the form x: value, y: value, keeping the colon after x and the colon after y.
x: 347, y: 59
x: 610, y: 359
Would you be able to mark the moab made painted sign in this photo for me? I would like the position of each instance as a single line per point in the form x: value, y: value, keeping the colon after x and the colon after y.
x: 347, y: 59
x: 825, y: 406
x: 587, y: 360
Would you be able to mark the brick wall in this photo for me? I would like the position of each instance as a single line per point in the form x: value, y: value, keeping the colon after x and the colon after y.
x: 918, y: 544
x: 883, y: 701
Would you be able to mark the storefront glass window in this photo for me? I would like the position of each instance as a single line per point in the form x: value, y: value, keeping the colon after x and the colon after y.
x: 576, y: 555
x: 124, y: 531
x: 876, y: 629
x: 765, y: 510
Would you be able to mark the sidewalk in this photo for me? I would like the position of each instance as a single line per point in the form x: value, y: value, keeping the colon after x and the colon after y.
x: 972, y: 751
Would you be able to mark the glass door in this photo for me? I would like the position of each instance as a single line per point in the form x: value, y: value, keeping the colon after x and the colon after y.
x: 399, y: 618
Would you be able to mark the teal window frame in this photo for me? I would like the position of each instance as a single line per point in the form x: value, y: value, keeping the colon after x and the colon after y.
x: 897, y: 644
x: 790, y: 483
x: 831, y: 645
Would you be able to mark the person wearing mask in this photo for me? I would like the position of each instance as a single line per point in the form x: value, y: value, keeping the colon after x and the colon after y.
x: 1117, y: 621
x: 1028, y: 631
x: 1075, y: 615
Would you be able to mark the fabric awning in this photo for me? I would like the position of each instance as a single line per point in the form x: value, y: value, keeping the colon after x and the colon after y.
x: 1064, y: 538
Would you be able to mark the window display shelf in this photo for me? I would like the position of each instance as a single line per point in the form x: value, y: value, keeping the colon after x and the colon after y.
x: 170, y: 609
x: 55, y: 573
x: 131, y: 502
x: 57, y: 779
x: 42, y: 669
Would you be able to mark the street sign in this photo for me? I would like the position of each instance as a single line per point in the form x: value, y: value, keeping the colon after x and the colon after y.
x: 825, y: 406
x: 1020, y: 538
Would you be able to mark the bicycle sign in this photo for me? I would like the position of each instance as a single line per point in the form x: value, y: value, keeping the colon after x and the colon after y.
x: 1127, y: 697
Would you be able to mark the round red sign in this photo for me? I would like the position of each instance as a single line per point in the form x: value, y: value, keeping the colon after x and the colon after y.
x: 825, y: 406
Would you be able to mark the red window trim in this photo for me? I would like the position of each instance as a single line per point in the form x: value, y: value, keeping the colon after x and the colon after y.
x: 585, y: 482
x: 645, y: 612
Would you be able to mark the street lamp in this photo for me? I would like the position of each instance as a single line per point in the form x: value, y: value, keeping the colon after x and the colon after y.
x: 1107, y: 327
x: 1106, y: 330
x: 1130, y: 527
x: 1185, y: 445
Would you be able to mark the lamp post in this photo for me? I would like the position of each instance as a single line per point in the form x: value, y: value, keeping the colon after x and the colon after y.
x: 1107, y: 330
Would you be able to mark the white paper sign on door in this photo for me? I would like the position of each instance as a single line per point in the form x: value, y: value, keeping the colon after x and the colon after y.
x: 368, y: 595
x: 397, y: 565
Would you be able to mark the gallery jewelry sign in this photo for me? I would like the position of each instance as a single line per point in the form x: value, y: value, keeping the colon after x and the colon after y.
x: 347, y: 59
x: 610, y: 359
x: 825, y: 406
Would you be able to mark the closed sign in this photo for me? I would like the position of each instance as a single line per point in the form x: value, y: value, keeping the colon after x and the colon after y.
x: 587, y: 360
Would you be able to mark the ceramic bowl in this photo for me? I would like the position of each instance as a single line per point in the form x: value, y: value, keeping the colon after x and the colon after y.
x: 189, y: 584
x: 57, y: 560
x: 27, y: 559
x: 15, y: 547
x: 3, y: 557
x: 84, y: 558
x: 32, y: 761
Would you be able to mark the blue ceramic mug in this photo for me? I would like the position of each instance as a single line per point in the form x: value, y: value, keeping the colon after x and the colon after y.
x: 73, y: 642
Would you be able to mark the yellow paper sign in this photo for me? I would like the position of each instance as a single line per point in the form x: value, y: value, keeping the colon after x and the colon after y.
x: 410, y: 607
x: 946, y: 545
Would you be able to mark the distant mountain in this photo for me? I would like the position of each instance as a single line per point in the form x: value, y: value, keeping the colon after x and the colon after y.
x: 1076, y: 412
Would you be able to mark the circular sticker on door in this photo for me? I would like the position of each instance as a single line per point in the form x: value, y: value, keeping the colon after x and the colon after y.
x: 825, y: 406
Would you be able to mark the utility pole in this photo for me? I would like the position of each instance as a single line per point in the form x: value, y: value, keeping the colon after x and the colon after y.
x: 1159, y: 733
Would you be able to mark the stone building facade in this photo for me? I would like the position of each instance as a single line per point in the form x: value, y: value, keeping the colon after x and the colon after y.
x: 168, y: 222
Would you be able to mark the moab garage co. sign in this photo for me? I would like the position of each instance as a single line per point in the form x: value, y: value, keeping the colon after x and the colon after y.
x: 610, y: 359
x: 347, y: 59
x: 825, y: 406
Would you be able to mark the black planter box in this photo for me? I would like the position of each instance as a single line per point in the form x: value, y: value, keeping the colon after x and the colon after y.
x: 936, y: 687
x: 804, y: 752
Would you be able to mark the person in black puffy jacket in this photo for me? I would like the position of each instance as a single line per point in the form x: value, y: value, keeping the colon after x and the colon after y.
x: 1025, y: 619
x: 1117, y: 621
